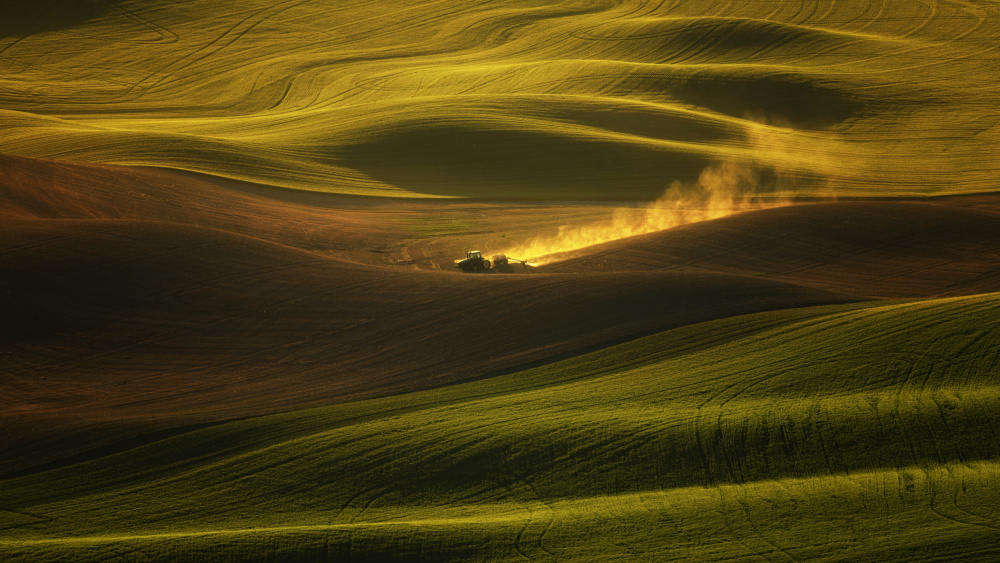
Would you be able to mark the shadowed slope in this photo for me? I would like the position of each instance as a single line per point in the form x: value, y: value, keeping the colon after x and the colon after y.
x: 859, y: 432
x: 884, y: 249
x: 113, y: 328
x: 346, y: 227
x: 874, y: 249
x: 20, y: 19
x: 129, y: 310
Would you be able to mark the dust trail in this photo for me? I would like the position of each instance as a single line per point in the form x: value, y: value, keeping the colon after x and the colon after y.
x: 721, y: 190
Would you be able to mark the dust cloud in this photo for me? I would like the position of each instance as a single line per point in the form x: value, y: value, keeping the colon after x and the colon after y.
x: 721, y: 190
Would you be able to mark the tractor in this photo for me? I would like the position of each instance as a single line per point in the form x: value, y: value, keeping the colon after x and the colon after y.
x: 474, y: 262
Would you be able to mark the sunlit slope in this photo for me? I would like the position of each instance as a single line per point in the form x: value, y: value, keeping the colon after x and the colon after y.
x: 515, y: 98
x: 846, y: 432
x: 868, y: 248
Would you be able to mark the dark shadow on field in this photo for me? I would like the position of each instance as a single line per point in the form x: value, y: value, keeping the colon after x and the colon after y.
x: 26, y: 17
x: 112, y: 448
x: 778, y: 100
x: 514, y: 268
x: 642, y: 122
x: 451, y: 160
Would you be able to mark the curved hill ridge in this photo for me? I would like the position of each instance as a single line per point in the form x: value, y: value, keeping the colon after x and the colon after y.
x: 874, y: 249
x: 217, y: 345
x: 480, y: 99
x: 779, y: 430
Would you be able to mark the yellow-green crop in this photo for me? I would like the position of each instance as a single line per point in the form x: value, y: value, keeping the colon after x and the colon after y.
x: 853, y: 432
x: 579, y: 99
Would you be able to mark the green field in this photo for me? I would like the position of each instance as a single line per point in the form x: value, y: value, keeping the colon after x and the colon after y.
x: 531, y: 99
x: 849, y: 432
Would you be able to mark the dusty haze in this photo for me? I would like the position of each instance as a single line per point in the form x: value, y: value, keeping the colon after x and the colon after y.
x: 721, y: 190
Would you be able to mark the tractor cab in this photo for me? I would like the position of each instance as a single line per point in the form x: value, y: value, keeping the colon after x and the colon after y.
x: 473, y: 262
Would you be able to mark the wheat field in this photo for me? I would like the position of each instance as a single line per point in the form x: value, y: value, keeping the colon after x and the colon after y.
x: 848, y: 432
x: 751, y: 310
x: 514, y: 99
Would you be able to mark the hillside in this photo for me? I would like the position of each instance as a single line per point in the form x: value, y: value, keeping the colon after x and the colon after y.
x: 751, y: 309
x: 570, y: 100
x: 117, y: 326
x: 144, y: 301
x: 844, y: 432
x: 875, y: 249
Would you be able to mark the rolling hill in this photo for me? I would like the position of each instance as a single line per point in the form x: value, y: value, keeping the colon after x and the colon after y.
x: 117, y: 325
x: 875, y: 249
x: 842, y: 432
x: 231, y: 327
x: 146, y: 304
x: 570, y: 100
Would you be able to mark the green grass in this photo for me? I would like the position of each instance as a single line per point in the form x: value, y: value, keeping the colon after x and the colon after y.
x: 856, y: 432
x: 514, y: 98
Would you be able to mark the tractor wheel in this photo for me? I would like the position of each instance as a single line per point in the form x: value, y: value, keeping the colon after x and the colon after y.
x: 486, y: 264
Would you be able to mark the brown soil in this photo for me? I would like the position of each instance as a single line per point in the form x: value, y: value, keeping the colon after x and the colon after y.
x: 864, y: 248
x: 138, y: 300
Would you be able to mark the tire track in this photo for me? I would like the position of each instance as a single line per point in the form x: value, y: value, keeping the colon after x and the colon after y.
x: 166, y: 35
x: 228, y: 37
x: 953, y: 513
x: 734, y: 532
x: 34, y: 245
x: 775, y: 548
x: 535, y: 550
